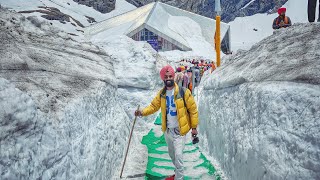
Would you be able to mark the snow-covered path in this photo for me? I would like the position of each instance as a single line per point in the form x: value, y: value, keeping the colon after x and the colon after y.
x: 160, y: 165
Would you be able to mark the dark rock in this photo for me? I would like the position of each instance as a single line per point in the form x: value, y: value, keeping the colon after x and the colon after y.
x: 103, y: 6
x: 52, y: 13
x: 189, y: 5
x: 35, y: 21
x: 90, y: 19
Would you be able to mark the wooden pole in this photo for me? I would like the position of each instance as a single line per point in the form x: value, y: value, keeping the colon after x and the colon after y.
x: 217, y: 34
x: 125, y: 157
x: 217, y: 38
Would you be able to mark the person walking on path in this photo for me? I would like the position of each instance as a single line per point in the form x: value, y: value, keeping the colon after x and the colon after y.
x: 179, y: 77
x: 185, y: 81
x: 179, y: 115
x: 312, y: 10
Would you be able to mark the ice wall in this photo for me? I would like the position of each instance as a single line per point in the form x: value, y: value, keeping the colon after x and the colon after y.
x: 86, y: 143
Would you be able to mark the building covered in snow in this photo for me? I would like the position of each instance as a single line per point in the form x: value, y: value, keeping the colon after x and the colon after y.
x: 153, y: 23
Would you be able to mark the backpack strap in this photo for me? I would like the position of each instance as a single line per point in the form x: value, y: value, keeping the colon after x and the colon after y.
x: 182, y: 90
x: 163, y: 93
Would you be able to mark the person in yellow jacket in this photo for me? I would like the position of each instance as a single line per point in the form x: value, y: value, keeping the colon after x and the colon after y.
x: 178, y: 117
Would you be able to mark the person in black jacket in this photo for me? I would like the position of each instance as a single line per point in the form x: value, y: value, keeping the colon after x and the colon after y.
x: 312, y: 10
x: 282, y: 21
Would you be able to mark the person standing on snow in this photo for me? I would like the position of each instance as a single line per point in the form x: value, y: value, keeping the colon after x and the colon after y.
x: 282, y: 21
x: 312, y: 10
x: 178, y: 117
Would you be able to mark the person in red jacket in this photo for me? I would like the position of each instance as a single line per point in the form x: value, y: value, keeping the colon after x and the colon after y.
x: 282, y: 21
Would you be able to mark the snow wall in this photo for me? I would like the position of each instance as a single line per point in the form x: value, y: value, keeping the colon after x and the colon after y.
x: 59, y: 113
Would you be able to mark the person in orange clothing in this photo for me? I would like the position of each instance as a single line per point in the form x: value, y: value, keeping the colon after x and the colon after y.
x: 182, y: 68
x: 213, y: 67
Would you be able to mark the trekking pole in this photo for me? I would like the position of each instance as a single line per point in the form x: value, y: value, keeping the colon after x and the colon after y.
x: 125, y: 157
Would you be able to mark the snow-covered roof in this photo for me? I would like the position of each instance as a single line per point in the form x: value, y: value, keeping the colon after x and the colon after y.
x: 157, y: 17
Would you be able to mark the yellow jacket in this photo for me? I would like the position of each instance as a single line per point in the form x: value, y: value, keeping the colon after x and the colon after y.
x: 185, y: 121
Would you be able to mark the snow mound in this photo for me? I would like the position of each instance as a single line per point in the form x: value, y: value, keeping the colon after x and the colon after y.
x: 50, y: 62
x: 136, y: 64
x: 17, y: 110
x: 290, y: 54
x: 70, y: 16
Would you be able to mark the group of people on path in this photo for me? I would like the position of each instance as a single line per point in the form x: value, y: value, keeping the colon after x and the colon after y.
x: 283, y: 21
x: 189, y: 73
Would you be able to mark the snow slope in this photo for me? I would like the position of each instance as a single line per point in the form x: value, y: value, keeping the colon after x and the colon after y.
x: 259, y: 112
x: 75, y: 10
x: 242, y: 34
x: 69, y: 7
x: 193, y: 36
